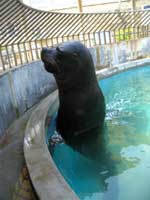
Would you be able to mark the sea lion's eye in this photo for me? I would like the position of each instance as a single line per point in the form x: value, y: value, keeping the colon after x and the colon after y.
x: 75, y: 55
x: 59, y: 50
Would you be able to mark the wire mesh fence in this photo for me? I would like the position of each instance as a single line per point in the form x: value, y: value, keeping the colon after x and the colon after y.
x: 25, y: 30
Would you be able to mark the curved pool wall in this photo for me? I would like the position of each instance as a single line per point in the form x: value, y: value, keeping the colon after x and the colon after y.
x: 46, y: 179
x: 20, y: 89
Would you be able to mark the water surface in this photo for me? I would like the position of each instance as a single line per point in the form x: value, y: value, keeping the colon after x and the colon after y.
x: 123, y: 171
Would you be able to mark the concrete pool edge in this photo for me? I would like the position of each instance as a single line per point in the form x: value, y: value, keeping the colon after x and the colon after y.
x: 107, y: 72
x: 46, y: 179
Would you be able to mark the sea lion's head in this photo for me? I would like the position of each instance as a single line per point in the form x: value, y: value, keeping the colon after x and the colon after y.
x: 66, y: 60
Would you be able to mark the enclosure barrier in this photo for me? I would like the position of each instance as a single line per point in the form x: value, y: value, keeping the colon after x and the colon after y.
x: 24, y: 30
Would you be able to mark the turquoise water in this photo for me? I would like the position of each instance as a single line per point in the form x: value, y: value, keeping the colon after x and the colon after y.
x: 123, y: 171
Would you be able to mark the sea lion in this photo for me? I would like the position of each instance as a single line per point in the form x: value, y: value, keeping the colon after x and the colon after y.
x: 81, y: 101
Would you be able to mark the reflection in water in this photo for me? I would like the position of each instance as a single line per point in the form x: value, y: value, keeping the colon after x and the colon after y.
x: 132, y: 183
x: 114, y: 165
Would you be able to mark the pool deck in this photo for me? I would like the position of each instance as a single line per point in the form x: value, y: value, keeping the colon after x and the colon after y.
x: 14, y: 178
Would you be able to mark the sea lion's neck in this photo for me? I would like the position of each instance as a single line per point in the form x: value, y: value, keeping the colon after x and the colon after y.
x: 77, y: 81
x: 78, y: 85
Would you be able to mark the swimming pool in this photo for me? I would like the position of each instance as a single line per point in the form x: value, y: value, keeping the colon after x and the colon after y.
x: 123, y: 171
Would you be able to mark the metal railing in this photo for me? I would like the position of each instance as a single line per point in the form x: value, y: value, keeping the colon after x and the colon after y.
x: 24, y: 31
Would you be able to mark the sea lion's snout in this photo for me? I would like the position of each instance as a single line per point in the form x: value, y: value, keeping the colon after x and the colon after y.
x: 48, y: 56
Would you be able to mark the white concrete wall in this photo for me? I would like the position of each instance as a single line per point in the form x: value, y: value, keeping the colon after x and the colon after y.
x: 20, y: 89
x: 113, y: 54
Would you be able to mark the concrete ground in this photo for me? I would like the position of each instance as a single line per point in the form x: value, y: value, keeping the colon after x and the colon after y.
x: 14, y: 179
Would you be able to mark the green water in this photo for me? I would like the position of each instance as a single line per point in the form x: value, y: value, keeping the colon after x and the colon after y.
x: 123, y: 171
